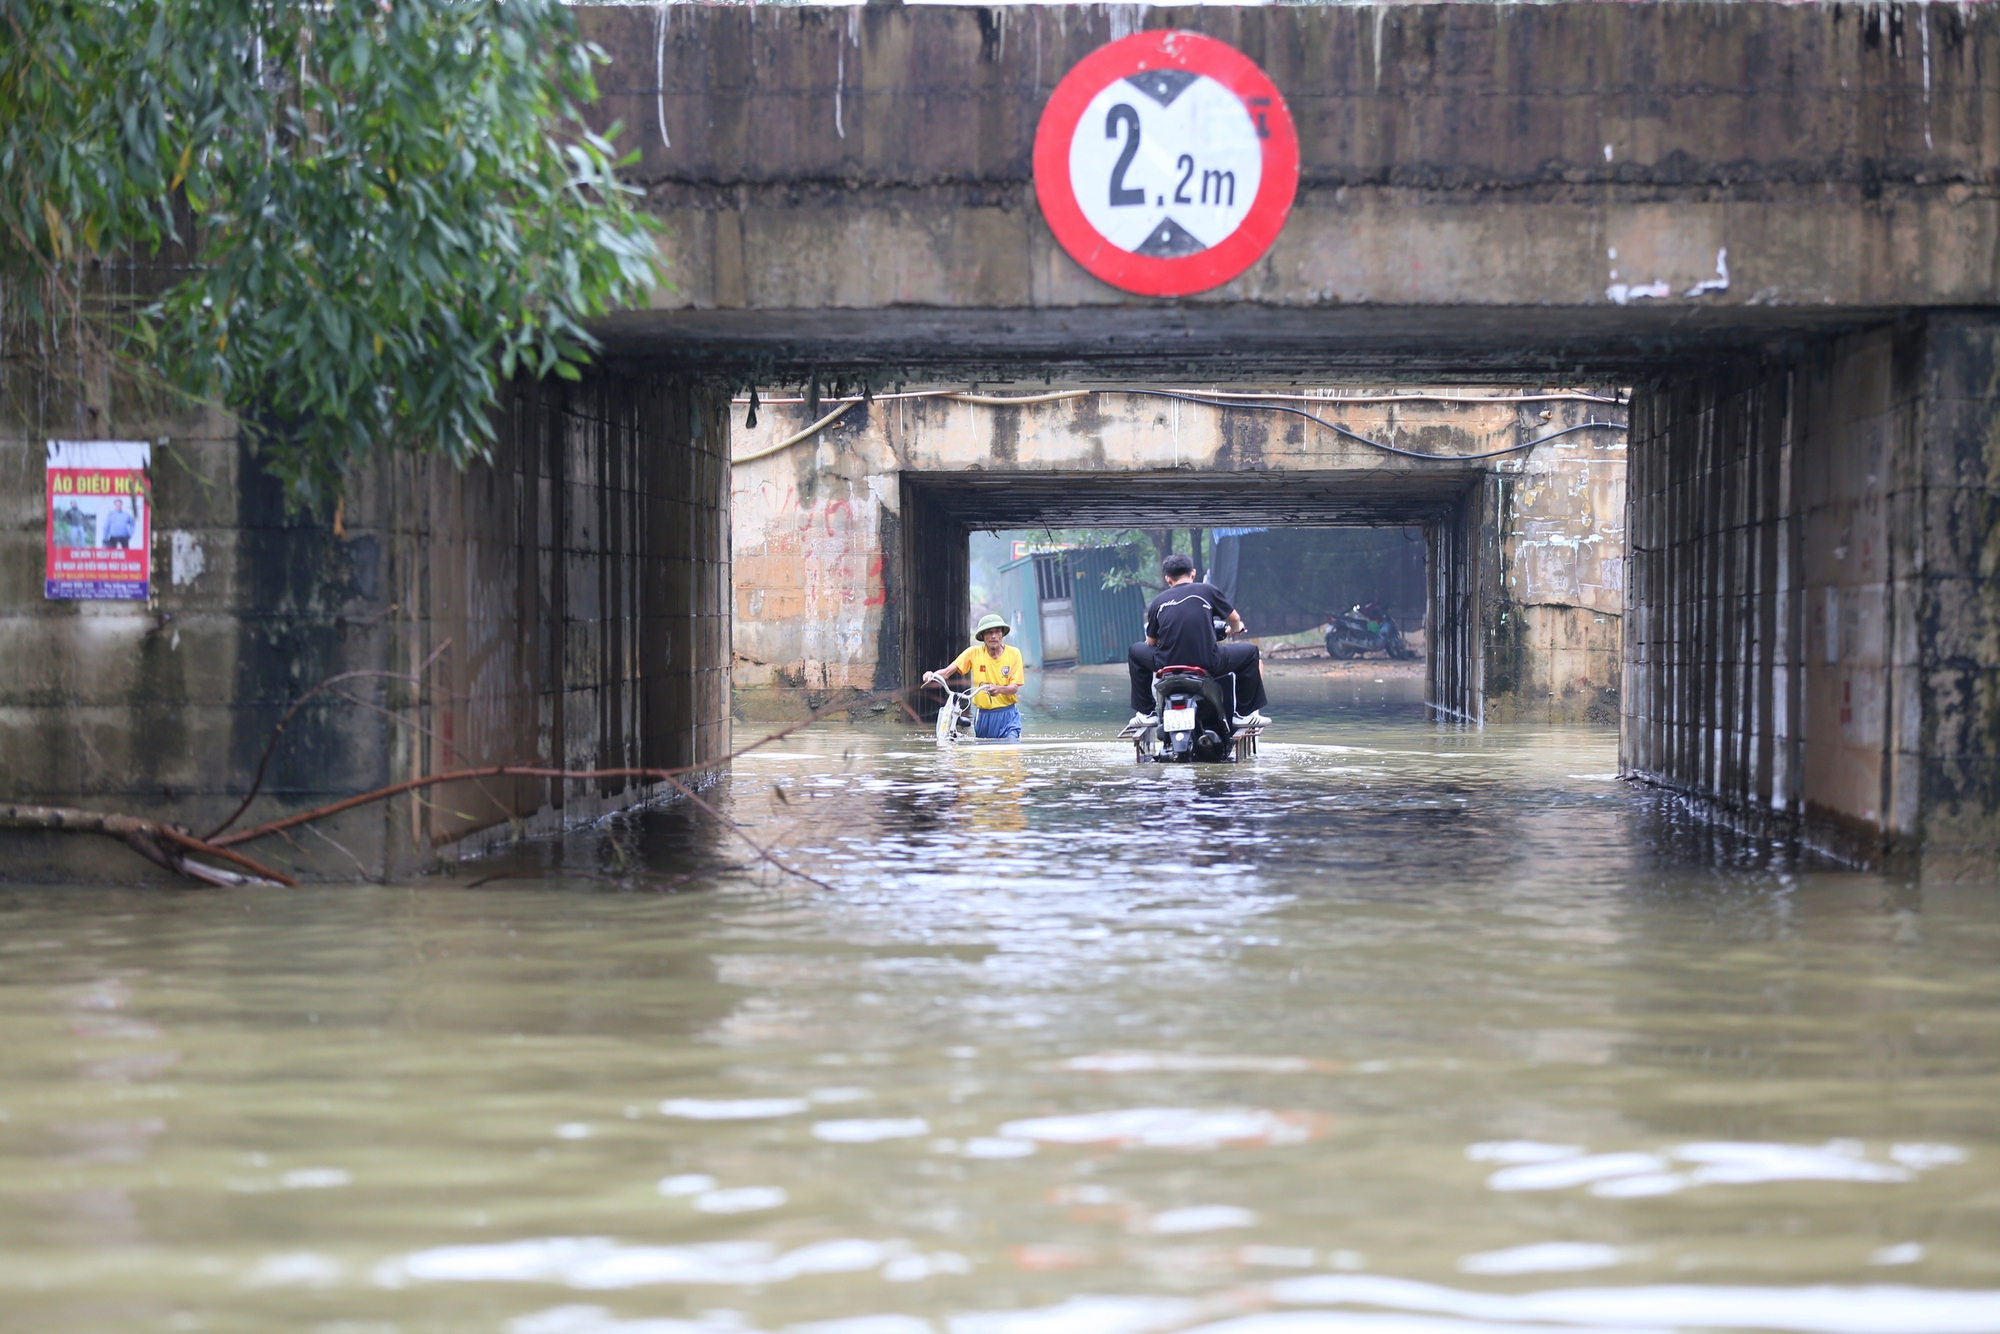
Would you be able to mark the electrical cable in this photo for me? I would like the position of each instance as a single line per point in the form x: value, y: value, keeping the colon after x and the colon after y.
x: 966, y: 396
x: 995, y: 400
x: 842, y: 405
x: 806, y: 434
x: 1003, y: 401
x: 1338, y: 429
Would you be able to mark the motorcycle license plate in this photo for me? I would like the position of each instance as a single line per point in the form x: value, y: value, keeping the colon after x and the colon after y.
x: 1178, y: 720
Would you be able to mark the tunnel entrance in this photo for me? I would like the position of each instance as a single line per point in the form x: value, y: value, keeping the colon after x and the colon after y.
x: 940, y: 514
x: 1806, y: 632
x: 853, y: 517
x: 1808, y: 619
x: 1075, y: 595
x: 1793, y: 640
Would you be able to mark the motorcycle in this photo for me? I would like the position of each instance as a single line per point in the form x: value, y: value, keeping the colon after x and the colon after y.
x: 1365, y: 629
x: 1197, y: 719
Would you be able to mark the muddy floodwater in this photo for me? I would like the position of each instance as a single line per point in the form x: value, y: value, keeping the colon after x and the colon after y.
x: 1397, y: 1029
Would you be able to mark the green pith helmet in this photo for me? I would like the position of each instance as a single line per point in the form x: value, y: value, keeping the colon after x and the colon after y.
x: 991, y: 621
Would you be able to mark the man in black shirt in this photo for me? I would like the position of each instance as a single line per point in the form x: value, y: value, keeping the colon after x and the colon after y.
x: 1180, y: 632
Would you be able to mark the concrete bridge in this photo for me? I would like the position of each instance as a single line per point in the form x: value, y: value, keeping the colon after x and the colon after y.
x: 1493, y: 188
x: 1779, y: 224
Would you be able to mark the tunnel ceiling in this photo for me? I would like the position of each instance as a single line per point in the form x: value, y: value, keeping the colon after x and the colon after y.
x: 1027, y: 500
x: 1206, y: 343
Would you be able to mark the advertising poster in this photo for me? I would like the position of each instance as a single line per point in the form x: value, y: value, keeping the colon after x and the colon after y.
x: 100, y: 519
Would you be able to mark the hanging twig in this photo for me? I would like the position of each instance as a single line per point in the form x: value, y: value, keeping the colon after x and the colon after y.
x: 271, y: 746
x: 431, y: 780
x: 737, y: 829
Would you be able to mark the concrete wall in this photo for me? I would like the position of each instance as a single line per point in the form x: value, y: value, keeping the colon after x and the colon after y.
x: 1813, y: 628
x: 813, y: 530
x: 1479, y: 184
x: 851, y: 576
x: 567, y: 602
x: 583, y: 580
x: 1555, y: 631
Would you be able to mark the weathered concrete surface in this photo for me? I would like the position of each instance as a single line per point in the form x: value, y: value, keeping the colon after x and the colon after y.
x: 826, y: 552
x: 1813, y: 623
x: 1483, y: 187
x: 1556, y: 632
x: 568, y: 602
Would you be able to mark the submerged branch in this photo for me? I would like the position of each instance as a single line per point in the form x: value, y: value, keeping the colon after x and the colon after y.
x: 671, y: 777
x: 145, y: 837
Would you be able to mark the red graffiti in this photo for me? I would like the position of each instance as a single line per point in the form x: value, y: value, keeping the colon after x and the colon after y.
x: 765, y: 490
x: 878, y: 591
x: 820, y: 514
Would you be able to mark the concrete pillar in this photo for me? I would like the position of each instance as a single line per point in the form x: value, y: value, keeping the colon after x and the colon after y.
x: 1461, y: 552
x: 566, y: 602
x: 1813, y: 623
x: 1554, y: 604
x: 932, y: 607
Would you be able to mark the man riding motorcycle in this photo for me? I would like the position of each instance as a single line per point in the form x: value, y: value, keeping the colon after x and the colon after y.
x: 1180, y: 632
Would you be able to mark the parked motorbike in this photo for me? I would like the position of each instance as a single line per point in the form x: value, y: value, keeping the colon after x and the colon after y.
x: 1367, y: 628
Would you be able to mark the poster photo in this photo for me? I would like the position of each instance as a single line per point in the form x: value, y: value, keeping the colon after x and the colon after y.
x: 100, y: 520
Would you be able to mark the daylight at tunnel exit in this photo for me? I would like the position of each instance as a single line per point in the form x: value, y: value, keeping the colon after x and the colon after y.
x: 921, y: 668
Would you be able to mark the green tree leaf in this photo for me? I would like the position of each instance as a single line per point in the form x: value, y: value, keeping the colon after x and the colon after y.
x: 350, y: 220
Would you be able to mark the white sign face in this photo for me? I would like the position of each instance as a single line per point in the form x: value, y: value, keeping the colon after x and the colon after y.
x: 1166, y: 163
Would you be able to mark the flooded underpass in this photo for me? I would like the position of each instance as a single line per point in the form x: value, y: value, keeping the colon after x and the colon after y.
x: 1399, y: 1028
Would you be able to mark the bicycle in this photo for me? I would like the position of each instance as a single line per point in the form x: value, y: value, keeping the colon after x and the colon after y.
x: 954, y: 716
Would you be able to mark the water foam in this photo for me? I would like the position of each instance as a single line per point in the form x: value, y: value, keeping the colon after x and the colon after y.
x: 870, y: 1131
x: 1547, y: 1257
x: 1826, y: 1309
x: 1163, y: 1128
x: 731, y: 1109
x: 600, y: 1263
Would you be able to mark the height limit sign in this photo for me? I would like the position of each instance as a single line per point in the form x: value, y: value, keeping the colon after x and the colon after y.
x: 1166, y: 163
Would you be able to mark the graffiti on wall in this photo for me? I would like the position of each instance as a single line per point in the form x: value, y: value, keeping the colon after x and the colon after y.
x: 809, y: 578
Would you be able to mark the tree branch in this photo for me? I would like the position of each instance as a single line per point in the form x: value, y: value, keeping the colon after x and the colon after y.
x: 271, y: 746
x: 144, y: 837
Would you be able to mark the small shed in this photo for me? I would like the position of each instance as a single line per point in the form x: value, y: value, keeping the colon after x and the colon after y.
x: 1062, y: 614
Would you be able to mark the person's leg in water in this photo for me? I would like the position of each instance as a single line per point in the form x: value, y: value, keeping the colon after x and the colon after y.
x: 1143, y: 660
x: 998, y: 724
x: 1242, y: 659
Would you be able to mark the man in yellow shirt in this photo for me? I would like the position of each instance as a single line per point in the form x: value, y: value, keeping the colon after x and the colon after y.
x: 997, y: 673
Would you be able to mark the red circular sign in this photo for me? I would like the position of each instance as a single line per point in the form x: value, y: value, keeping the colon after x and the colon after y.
x: 1166, y: 163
